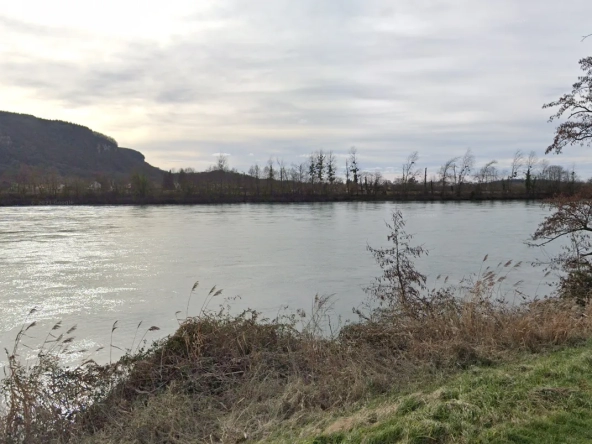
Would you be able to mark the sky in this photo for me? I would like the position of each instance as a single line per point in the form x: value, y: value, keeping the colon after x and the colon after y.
x: 182, y: 81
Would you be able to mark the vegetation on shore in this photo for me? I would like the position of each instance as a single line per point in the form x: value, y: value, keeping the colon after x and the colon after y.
x: 315, y: 180
x: 223, y: 378
x: 46, y: 162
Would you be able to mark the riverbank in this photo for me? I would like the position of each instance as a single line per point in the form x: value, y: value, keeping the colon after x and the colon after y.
x: 538, y: 398
x: 14, y: 200
x: 230, y: 379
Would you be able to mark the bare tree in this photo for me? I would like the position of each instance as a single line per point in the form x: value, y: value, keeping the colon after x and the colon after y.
x: 467, y: 163
x: 331, y: 164
x: 292, y: 173
x: 532, y: 161
x: 221, y: 163
x: 515, y: 167
x: 52, y: 179
x: 270, y: 173
x: 487, y: 174
x: 255, y: 172
x: 410, y: 171
x: 282, y: 172
x: 571, y: 216
x: 347, y: 173
x: 571, y: 219
x: 577, y: 129
x: 552, y: 177
x: 354, y: 166
x: 409, y: 167
x: 529, y: 179
x: 556, y: 173
x: 543, y: 166
x: 400, y: 284
x: 447, y: 172
x: 296, y: 174
x: 312, y: 169
x: 517, y: 163
x: 301, y: 168
x: 376, y: 182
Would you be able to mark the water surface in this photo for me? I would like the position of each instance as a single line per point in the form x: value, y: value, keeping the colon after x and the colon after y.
x: 91, y: 266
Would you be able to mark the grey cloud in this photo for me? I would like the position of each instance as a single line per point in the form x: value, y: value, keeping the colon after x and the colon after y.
x: 21, y: 27
x: 287, y: 78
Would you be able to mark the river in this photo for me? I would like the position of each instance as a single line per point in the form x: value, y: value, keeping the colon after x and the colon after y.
x: 92, y: 266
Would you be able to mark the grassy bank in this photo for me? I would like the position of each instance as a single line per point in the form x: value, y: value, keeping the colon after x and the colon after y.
x: 540, y: 398
x: 223, y: 378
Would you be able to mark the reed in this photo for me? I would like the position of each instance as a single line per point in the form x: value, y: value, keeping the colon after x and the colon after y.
x: 226, y: 378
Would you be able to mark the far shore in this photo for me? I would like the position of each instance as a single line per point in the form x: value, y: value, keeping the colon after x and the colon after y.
x: 106, y: 199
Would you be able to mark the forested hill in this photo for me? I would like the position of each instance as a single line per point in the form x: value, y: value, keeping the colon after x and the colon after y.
x: 67, y: 149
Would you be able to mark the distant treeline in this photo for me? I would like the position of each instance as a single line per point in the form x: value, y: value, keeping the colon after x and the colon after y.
x: 316, y: 179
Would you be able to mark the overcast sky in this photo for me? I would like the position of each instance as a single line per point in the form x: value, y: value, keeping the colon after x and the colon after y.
x: 183, y: 80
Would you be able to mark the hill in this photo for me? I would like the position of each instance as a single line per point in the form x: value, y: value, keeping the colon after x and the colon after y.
x: 68, y: 149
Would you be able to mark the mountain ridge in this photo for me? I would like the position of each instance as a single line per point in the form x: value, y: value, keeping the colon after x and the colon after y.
x: 68, y: 149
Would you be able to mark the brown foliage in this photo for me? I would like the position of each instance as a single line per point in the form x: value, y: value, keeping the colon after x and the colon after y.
x: 223, y: 378
x: 571, y: 219
x: 571, y: 215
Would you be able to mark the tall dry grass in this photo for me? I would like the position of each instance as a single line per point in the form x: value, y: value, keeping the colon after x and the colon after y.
x: 231, y: 378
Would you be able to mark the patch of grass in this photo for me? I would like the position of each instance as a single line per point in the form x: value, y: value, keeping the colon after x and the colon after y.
x: 545, y: 398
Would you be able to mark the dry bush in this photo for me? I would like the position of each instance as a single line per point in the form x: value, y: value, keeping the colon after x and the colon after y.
x: 457, y: 326
x: 241, y: 375
x: 450, y: 332
x: 40, y: 400
x: 569, y: 220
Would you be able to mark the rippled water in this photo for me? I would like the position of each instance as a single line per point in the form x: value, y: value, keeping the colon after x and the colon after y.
x: 91, y: 266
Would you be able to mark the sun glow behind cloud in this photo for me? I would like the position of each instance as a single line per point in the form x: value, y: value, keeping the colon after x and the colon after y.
x: 182, y: 80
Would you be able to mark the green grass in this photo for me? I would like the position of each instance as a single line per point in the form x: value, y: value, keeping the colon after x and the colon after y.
x: 544, y: 398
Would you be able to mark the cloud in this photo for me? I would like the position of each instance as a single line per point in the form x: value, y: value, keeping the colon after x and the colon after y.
x: 23, y: 27
x: 280, y: 79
